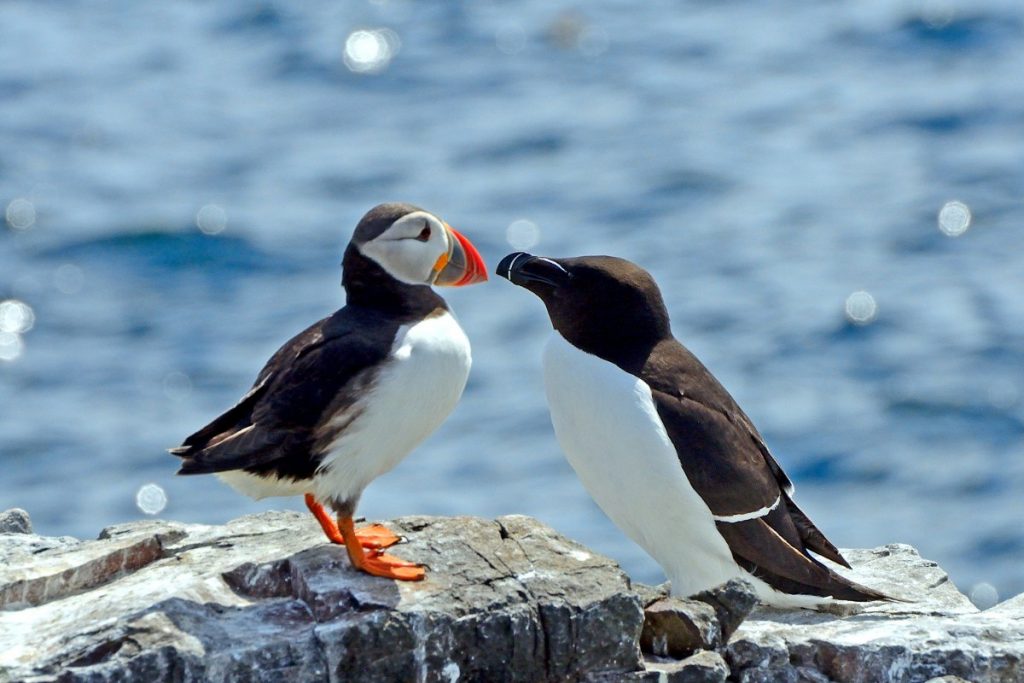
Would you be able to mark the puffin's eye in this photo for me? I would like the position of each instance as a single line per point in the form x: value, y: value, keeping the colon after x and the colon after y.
x: 424, y: 233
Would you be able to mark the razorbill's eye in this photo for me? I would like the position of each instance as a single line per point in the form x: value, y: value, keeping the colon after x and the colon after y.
x: 424, y: 233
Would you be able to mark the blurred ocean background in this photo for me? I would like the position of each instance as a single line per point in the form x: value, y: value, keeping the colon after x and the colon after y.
x: 830, y: 194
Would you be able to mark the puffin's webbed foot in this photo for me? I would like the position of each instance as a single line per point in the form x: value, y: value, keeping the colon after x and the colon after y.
x: 377, y: 537
x: 375, y: 562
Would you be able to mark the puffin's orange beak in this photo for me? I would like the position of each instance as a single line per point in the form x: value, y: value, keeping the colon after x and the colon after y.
x: 462, y: 265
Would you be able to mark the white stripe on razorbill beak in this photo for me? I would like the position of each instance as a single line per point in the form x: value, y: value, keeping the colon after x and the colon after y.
x: 745, y: 516
x: 508, y: 273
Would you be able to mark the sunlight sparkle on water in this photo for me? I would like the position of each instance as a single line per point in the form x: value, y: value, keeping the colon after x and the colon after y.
x: 522, y: 234
x: 369, y: 51
x: 937, y: 14
x: 954, y: 218
x: 16, y: 316
x: 861, y: 308
x: 984, y: 595
x: 11, y: 346
x: 212, y: 219
x: 21, y: 214
x: 151, y: 499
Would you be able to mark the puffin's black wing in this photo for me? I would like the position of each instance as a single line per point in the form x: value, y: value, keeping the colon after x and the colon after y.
x: 277, y: 424
x: 766, y: 533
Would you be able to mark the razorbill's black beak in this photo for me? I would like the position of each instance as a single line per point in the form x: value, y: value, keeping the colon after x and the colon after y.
x: 521, y: 268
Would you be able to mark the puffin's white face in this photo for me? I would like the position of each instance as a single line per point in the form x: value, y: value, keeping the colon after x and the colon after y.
x: 414, y: 249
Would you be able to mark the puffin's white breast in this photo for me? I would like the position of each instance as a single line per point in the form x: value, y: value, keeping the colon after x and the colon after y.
x: 606, y: 422
x: 404, y: 402
x: 418, y: 387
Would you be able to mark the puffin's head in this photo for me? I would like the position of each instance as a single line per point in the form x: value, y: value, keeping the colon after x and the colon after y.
x: 418, y: 248
x: 595, y: 302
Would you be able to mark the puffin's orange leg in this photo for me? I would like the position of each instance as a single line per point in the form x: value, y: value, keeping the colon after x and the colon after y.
x: 375, y: 562
x: 326, y: 523
x: 375, y: 536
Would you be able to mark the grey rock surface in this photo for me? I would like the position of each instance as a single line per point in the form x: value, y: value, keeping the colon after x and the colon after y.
x: 265, y: 598
x: 937, y: 633
x: 732, y: 602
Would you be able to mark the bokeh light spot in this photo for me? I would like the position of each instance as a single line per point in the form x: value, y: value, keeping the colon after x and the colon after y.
x: 522, y: 234
x: 151, y: 499
x: 369, y: 51
x: 21, y: 214
x: 11, y: 346
x: 212, y: 219
x: 937, y: 14
x: 68, y: 278
x: 954, y: 218
x: 984, y: 595
x: 177, y: 386
x: 16, y: 316
x: 861, y: 308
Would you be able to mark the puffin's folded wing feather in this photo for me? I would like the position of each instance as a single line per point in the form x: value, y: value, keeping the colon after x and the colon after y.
x: 224, y: 424
x: 282, y: 420
x: 251, y: 446
x: 320, y: 383
x: 239, y: 416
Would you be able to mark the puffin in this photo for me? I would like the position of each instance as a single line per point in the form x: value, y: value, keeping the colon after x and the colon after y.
x: 662, y: 447
x: 346, y: 399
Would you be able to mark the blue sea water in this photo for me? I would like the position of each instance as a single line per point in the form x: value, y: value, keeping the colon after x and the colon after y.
x: 179, y: 179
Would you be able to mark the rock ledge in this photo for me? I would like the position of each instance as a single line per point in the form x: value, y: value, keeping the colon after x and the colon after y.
x: 263, y: 598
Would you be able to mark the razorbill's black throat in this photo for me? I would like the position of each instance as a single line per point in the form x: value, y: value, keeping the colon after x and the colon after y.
x: 345, y: 400
x: 662, y: 446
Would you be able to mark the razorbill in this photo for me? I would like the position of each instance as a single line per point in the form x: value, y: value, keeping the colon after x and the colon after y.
x: 662, y: 447
x: 346, y: 399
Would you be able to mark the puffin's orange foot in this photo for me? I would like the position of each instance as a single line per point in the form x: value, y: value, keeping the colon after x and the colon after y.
x: 373, y: 561
x: 390, y: 567
x: 376, y: 537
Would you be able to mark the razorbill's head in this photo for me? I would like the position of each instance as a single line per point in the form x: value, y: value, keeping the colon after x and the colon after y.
x: 601, y: 304
x: 418, y: 248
